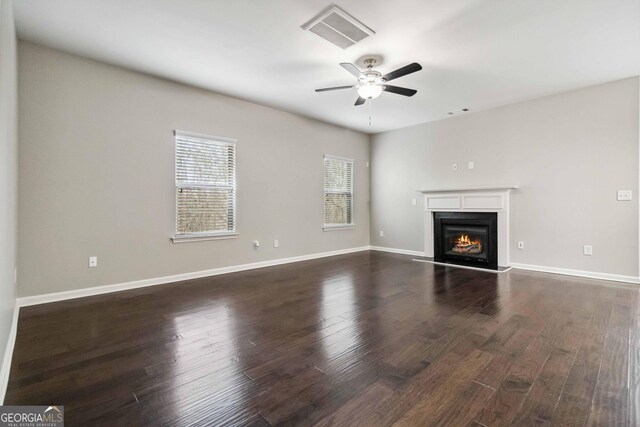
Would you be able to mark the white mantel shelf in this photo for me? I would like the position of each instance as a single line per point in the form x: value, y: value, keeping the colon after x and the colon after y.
x: 468, y: 189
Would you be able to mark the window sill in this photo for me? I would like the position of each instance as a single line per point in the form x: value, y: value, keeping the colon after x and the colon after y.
x: 339, y: 227
x: 203, y: 237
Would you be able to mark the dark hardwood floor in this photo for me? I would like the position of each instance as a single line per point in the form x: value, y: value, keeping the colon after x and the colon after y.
x: 363, y: 339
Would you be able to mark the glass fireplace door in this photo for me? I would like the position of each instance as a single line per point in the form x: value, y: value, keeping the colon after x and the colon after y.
x: 466, y: 238
x: 466, y: 241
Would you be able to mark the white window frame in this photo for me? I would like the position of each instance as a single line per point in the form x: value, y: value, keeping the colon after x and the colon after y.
x: 203, y: 236
x: 335, y: 227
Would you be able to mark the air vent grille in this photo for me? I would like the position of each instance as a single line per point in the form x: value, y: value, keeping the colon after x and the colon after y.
x: 338, y: 27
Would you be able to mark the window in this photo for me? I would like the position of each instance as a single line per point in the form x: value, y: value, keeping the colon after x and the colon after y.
x: 338, y: 193
x: 205, y: 187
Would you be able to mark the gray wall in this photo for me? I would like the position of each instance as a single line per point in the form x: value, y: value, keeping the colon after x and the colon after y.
x: 569, y: 154
x: 8, y: 171
x: 97, y: 175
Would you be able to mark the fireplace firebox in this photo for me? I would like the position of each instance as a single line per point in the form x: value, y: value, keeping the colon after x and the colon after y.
x: 466, y: 238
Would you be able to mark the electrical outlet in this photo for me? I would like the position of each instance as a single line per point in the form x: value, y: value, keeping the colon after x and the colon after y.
x: 275, y: 243
x: 587, y: 250
x: 93, y: 261
x: 381, y: 233
x: 367, y: 164
x: 256, y: 244
x: 414, y: 201
x: 455, y: 167
x: 471, y: 165
x: 520, y: 245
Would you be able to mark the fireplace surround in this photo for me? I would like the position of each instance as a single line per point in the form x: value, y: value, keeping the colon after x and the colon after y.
x: 494, y: 199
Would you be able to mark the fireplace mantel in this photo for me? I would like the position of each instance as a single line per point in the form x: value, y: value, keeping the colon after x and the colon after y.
x: 466, y: 189
x: 470, y: 199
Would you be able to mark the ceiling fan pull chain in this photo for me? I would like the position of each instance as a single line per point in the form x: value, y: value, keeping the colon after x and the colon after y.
x: 370, y: 102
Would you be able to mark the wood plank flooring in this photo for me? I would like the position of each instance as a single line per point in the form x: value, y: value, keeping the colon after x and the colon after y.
x: 363, y: 339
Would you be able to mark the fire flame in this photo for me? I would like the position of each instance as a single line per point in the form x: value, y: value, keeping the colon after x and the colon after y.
x: 464, y: 240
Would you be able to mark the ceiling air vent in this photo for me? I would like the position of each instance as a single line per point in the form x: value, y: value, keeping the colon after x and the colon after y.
x: 338, y: 27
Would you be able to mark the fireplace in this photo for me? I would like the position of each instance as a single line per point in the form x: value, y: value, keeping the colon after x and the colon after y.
x: 466, y: 238
x: 475, y: 204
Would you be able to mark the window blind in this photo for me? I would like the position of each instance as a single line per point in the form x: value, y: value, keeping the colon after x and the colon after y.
x: 205, y: 185
x: 338, y: 191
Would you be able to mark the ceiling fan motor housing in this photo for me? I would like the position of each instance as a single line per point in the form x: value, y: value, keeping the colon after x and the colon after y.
x: 371, y: 76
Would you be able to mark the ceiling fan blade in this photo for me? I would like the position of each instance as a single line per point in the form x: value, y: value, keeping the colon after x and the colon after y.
x: 407, y: 69
x: 360, y: 101
x: 326, y: 89
x: 400, y: 90
x: 351, y: 68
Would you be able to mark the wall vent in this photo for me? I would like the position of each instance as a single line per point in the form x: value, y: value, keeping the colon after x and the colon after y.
x: 338, y: 27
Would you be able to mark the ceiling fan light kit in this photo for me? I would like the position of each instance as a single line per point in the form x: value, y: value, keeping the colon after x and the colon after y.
x: 370, y: 82
x: 370, y: 90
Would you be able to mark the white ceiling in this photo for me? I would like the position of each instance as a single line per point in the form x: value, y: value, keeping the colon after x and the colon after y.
x: 475, y: 53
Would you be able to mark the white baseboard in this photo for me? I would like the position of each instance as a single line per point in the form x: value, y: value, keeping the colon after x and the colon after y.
x: 577, y: 273
x: 8, y: 354
x: 396, y: 251
x: 539, y: 268
x: 99, y: 290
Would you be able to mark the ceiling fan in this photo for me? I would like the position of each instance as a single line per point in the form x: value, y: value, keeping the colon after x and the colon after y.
x: 372, y: 83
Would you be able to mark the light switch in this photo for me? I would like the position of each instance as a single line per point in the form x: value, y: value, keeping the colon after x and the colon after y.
x: 414, y: 201
x: 624, y: 195
x: 471, y: 165
x: 588, y: 250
